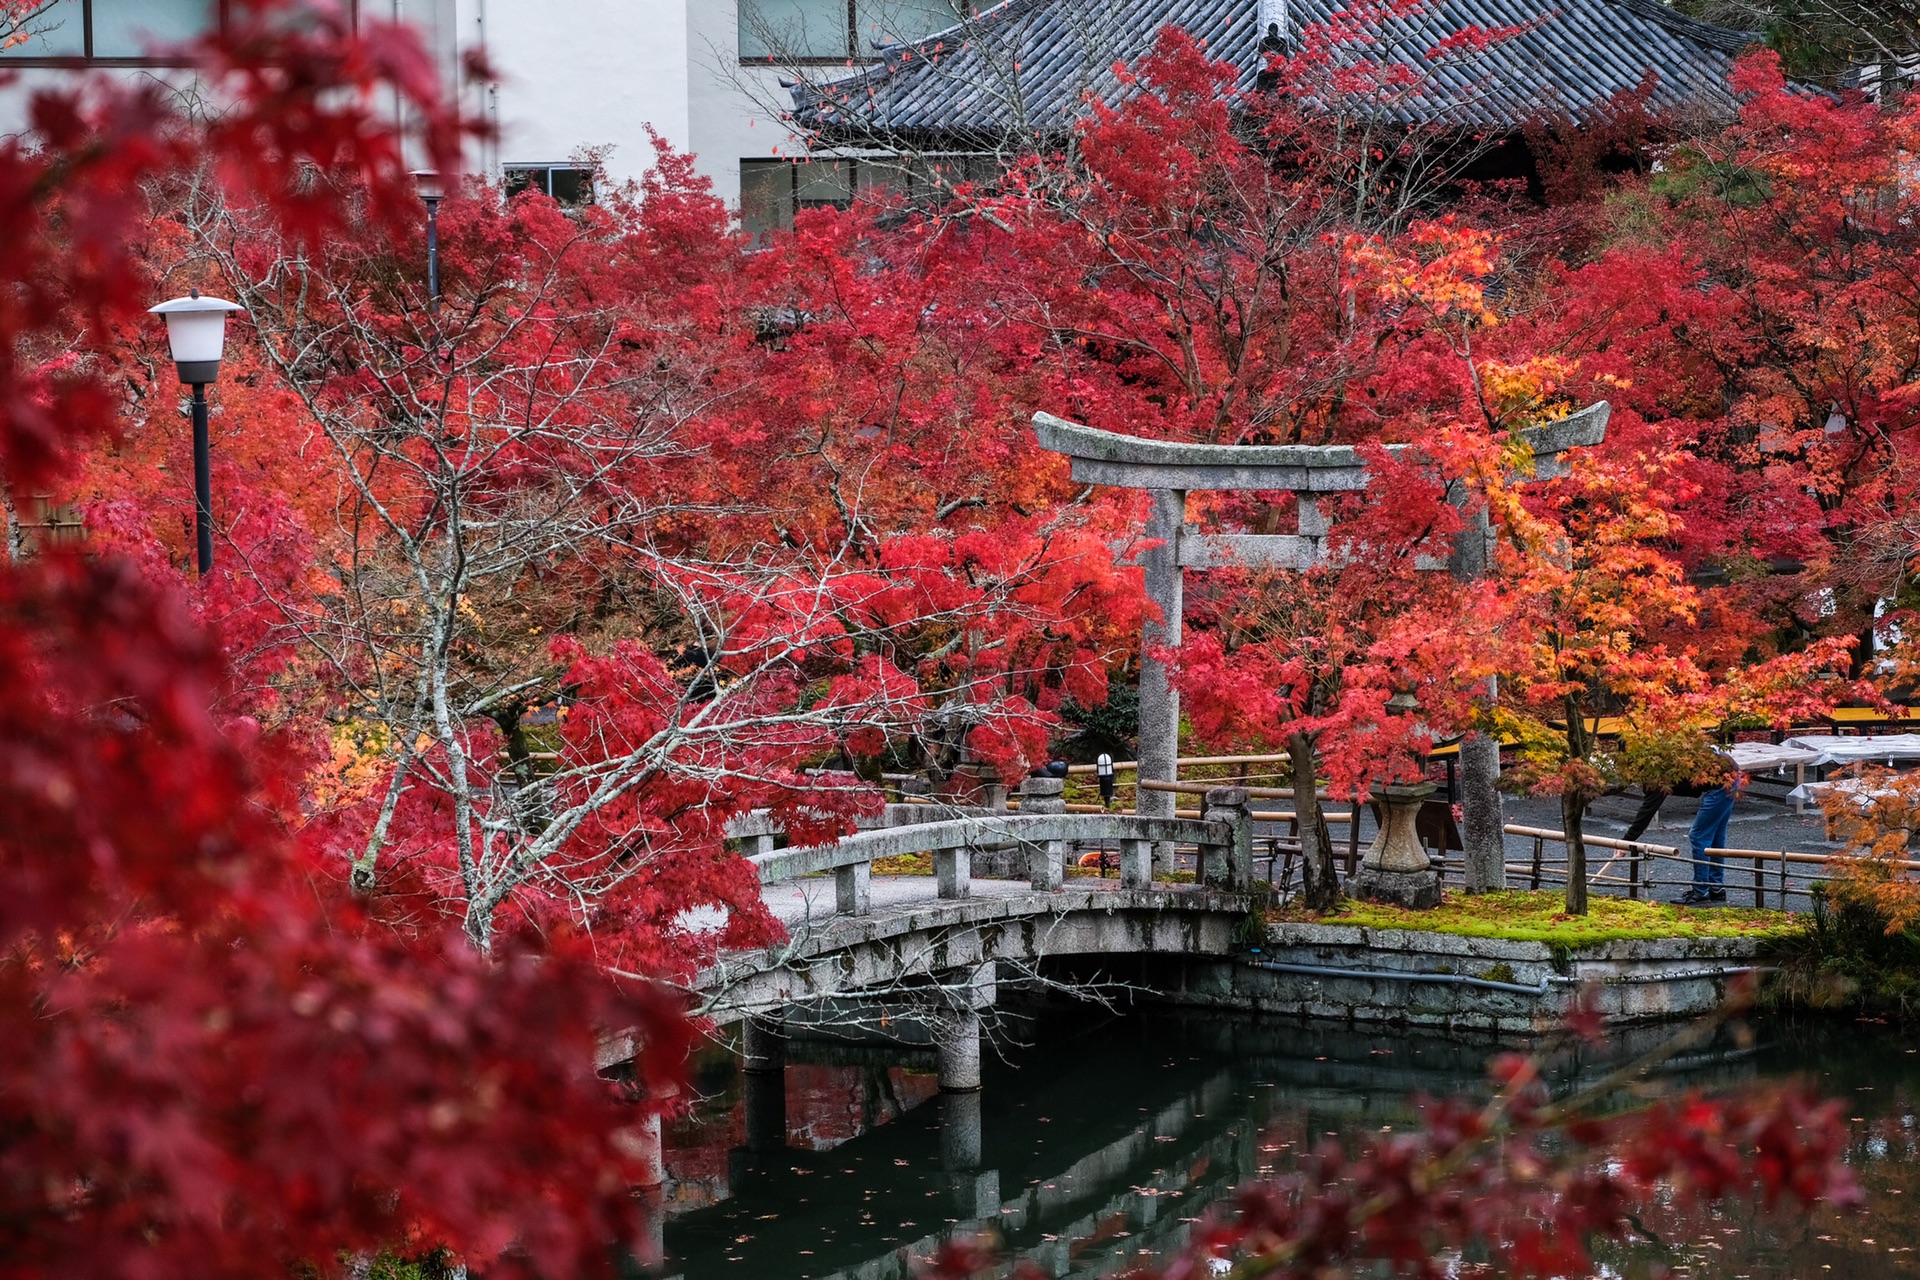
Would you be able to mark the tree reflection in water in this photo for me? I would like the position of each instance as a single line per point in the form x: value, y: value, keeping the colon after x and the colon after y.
x: 1096, y: 1145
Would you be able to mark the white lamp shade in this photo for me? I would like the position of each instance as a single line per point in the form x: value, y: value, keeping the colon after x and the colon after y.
x: 197, y: 332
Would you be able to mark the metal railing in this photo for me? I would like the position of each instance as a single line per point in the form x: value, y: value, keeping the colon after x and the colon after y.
x: 1637, y: 853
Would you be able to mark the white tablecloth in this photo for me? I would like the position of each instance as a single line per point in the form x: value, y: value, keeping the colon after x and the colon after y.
x: 1853, y: 791
x: 1886, y: 749
x: 1764, y: 757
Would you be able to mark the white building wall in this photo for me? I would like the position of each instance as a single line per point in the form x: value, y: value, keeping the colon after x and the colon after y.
x: 581, y: 75
x: 592, y: 75
x: 578, y: 76
x: 736, y: 111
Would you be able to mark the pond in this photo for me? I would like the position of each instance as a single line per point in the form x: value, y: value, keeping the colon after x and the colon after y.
x: 1097, y: 1140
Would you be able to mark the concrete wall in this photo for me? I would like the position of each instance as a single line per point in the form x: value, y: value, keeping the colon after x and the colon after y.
x: 1347, y: 974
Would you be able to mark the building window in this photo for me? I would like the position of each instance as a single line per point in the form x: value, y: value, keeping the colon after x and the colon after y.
x: 121, y: 33
x: 773, y: 191
x: 63, y: 32
x: 565, y: 183
x: 782, y: 31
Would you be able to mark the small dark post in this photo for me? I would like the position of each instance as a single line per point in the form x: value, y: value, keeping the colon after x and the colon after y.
x: 433, y: 250
x: 427, y: 183
x: 202, y: 482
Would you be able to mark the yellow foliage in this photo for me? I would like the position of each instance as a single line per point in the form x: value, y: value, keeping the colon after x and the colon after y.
x: 357, y: 754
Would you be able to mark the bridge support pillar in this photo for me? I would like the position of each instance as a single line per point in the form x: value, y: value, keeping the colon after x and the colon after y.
x: 957, y: 1026
x: 647, y: 1151
x: 766, y: 1108
x: 853, y: 889
x: 763, y: 1067
x: 975, y: 1192
x: 651, y: 1244
x: 763, y: 1046
x: 960, y: 1142
x: 959, y: 1037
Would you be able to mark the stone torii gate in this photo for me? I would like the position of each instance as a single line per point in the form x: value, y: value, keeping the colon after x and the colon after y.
x: 1169, y: 470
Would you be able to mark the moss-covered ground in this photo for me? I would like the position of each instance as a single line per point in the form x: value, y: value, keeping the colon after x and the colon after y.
x: 1524, y: 916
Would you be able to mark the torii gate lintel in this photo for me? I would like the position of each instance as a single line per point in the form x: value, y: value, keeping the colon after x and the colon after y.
x: 1169, y: 470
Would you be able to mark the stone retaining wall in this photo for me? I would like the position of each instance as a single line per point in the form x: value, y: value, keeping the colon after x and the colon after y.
x: 1353, y: 974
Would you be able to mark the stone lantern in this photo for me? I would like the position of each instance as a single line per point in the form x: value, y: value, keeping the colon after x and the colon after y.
x: 1396, y: 868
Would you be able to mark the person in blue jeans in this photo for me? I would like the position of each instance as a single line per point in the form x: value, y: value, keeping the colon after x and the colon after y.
x: 1709, y: 831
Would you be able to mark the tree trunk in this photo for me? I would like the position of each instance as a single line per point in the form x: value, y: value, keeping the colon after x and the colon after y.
x: 1316, y: 846
x: 1572, y: 806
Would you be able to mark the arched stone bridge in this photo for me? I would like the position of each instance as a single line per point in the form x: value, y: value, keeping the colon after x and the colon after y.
x: 947, y: 936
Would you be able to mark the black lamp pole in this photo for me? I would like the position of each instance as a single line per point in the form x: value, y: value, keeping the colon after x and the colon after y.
x: 202, y: 481
x: 197, y: 334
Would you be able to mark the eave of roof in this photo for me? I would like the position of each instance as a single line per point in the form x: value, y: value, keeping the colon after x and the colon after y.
x: 1030, y: 66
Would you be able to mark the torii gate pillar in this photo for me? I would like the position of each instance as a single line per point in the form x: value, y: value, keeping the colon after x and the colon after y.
x: 1169, y: 470
x: 1159, y: 700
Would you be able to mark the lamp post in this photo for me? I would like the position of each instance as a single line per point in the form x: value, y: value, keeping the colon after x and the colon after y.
x: 427, y: 183
x: 197, y: 333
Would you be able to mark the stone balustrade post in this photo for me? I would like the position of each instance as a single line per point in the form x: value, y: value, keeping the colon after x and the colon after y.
x: 953, y: 872
x: 1047, y: 861
x: 1136, y: 864
x: 756, y: 845
x: 993, y: 790
x: 853, y: 889
x: 1229, y: 866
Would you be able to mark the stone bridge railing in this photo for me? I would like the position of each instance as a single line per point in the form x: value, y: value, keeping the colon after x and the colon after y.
x: 1223, y: 835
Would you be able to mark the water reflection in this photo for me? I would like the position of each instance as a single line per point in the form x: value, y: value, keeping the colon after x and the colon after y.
x: 1097, y: 1144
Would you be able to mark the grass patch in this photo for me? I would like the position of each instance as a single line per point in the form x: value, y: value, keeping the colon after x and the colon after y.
x: 1537, y: 916
x: 906, y: 864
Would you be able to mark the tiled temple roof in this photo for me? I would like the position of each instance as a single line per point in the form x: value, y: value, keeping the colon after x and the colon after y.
x: 1028, y: 67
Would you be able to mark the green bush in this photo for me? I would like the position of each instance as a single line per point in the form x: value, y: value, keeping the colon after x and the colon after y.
x: 1847, y: 961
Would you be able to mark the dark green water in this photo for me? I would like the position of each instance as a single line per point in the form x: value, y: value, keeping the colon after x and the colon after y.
x: 1096, y: 1141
